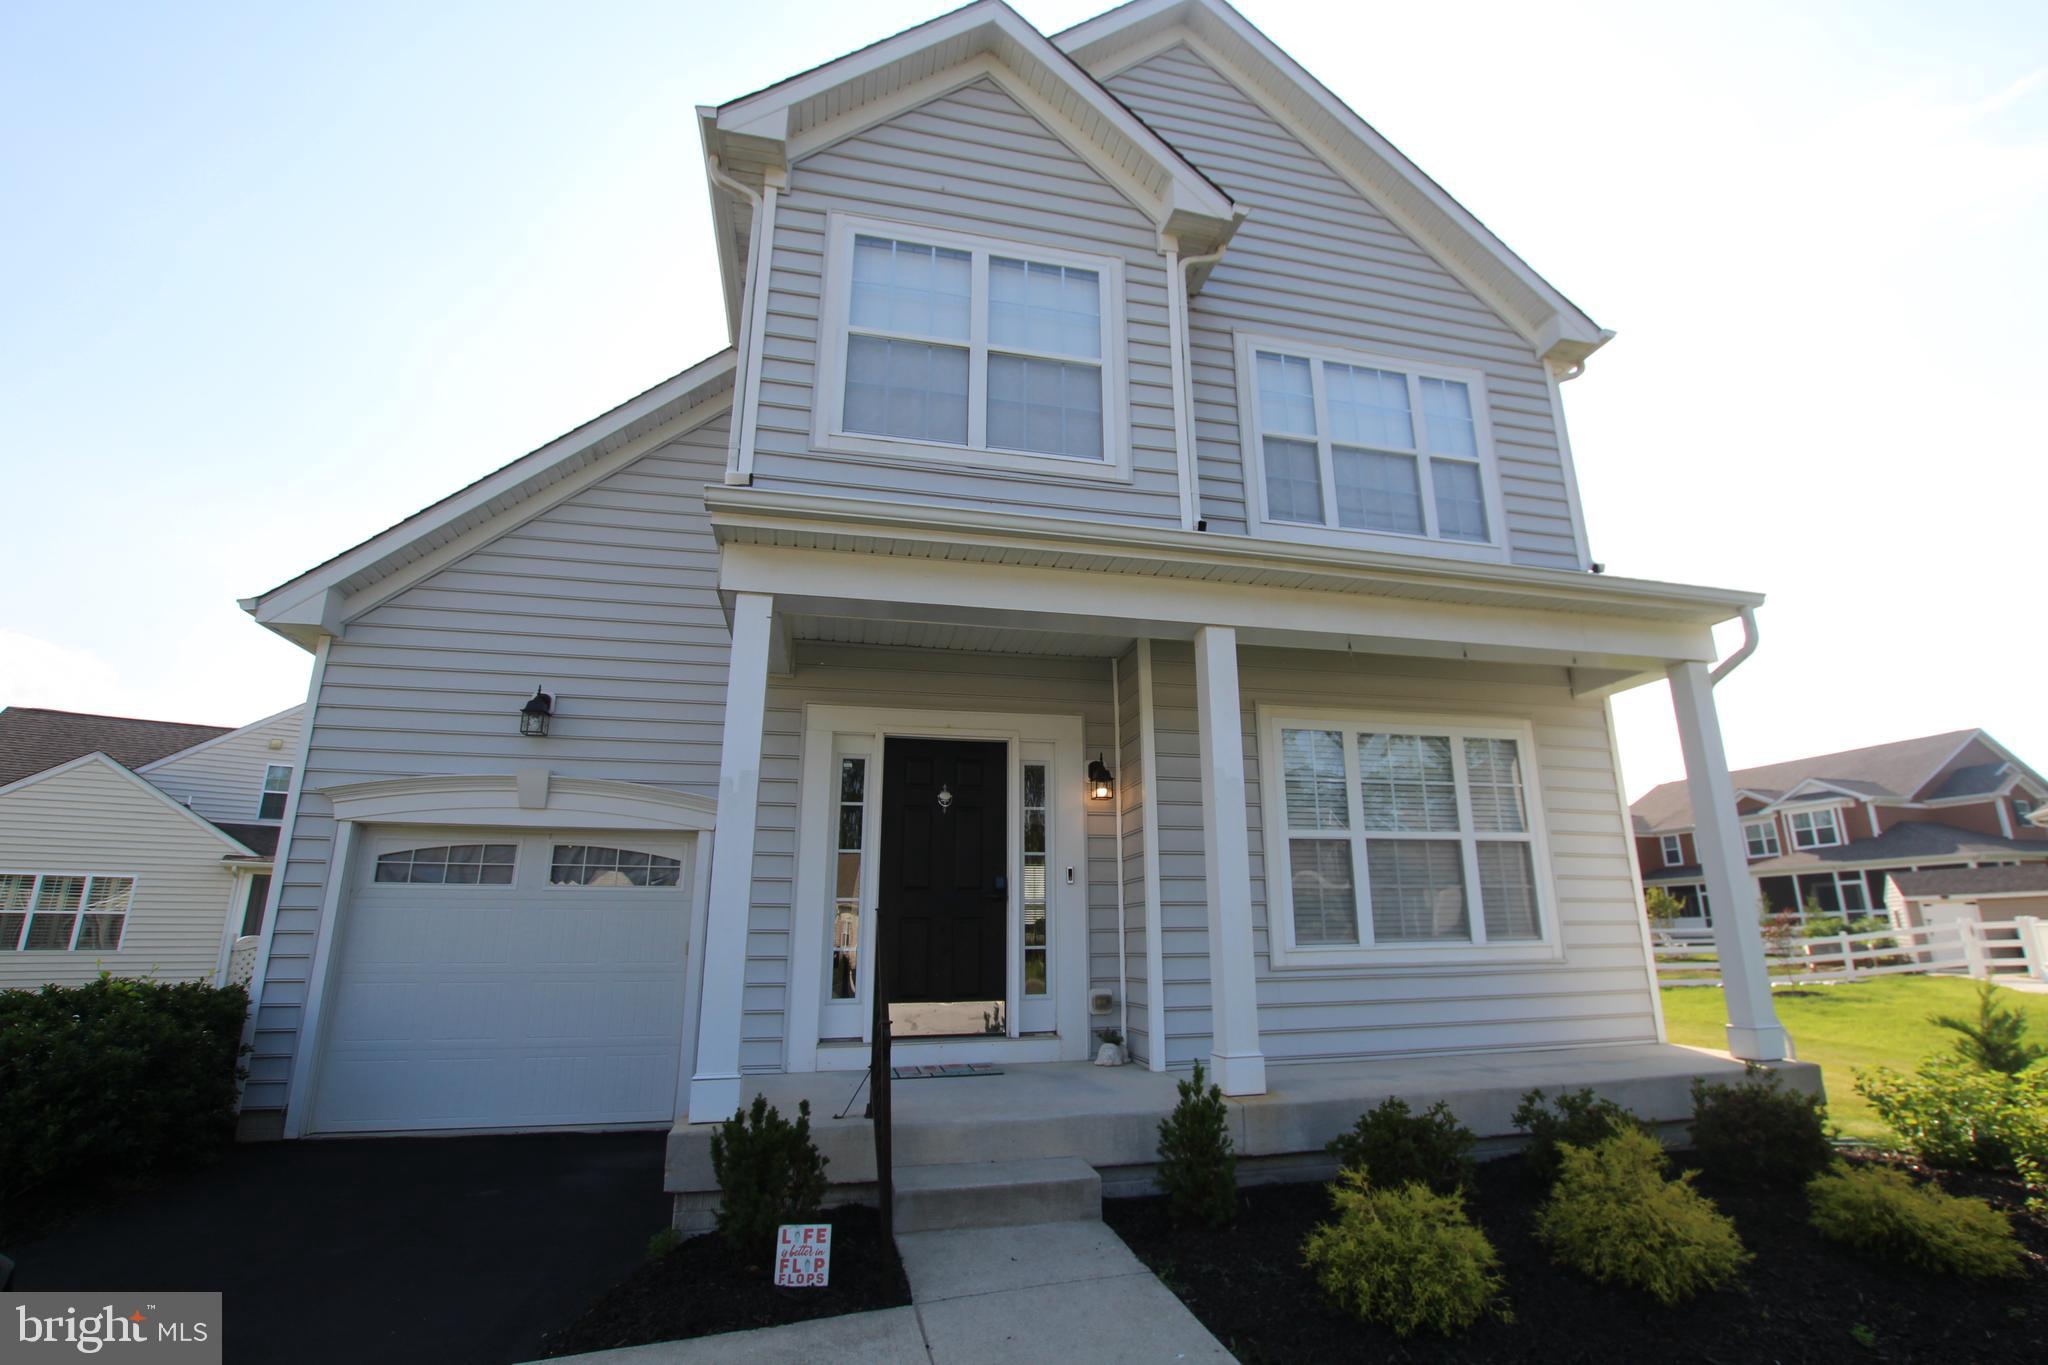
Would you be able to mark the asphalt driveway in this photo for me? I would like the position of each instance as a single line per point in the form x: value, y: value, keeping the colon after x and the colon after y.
x: 383, y: 1251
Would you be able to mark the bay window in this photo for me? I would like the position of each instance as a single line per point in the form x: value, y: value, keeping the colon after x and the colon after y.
x: 1394, y: 840
x: 1344, y: 447
x: 939, y: 344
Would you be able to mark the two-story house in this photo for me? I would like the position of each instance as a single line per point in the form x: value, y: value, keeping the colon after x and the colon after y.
x: 1126, y: 571
x: 136, y: 847
x: 1832, y: 830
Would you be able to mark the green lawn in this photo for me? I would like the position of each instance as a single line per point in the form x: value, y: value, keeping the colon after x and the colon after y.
x: 1849, y: 1025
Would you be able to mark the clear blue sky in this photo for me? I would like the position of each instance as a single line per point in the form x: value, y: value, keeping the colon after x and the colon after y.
x: 278, y: 275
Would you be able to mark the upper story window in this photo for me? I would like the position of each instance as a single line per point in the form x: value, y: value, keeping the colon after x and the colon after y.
x: 1815, y: 829
x: 1345, y: 448
x: 940, y: 345
x: 277, y: 784
x: 1674, y: 850
x: 1762, y: 838
x: 2022, y: 809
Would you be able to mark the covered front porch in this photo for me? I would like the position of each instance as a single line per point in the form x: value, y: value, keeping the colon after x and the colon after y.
x: 1188, y: 910
x: 1109, y: 1117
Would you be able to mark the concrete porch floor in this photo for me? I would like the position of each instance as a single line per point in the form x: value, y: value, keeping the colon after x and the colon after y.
x: 1109, y: 1116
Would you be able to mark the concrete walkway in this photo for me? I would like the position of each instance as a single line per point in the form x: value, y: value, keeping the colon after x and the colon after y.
x: 1049, y: 1291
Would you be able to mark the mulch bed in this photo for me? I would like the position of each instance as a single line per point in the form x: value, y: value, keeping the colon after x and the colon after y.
x: 701, y: 1288
x: 1803, y: 1299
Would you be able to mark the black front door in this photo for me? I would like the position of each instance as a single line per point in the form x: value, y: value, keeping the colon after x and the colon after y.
x: 944, y: 898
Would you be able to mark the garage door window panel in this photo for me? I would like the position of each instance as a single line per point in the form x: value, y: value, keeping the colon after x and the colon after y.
x: 450, y: 865
x: 603, y: 866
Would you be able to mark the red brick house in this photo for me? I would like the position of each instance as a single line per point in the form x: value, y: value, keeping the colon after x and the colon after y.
x: 1829, y: 830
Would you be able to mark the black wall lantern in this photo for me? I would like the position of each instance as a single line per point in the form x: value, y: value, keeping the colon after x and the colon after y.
x: 1101, y: 782
x: 538, y: 711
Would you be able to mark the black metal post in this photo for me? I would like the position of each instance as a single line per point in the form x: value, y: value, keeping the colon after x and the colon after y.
x: 878, y: 1091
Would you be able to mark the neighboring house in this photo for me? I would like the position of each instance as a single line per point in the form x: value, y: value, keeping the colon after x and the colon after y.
x: 137, y: 847
x: 1830, y: 830
x: 1985, y: 895
x: 1132, y: 539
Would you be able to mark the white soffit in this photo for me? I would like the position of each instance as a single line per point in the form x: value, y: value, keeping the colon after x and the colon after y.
x: 1110, y: 42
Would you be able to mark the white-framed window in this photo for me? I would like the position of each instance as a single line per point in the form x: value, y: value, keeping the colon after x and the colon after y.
x: 1348, y: 448
x: 1762, y: 838
x: 2022, y: 809
x: 449, y: 865
x: 1674, y: 851
x: 1815, y: 829
x: 61, y: 912
x: 943, y: 345
x: 598, y: 865
x: 1852, y: 894
x: 277, y: 784
x: 1401, y: 839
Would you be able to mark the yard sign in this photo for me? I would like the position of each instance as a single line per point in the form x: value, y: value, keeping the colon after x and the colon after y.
x: 803, y: 1255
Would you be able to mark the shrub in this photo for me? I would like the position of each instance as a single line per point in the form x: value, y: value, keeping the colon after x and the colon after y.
x: 1827, y: 926
x: 110, y: 1085
x: 769, y: 1173
x: 663, y: 1243
x: 1949, y: 1113
x: 1759, y: 1132
x: 1883, y: 1215
x: 1662, y: 907
x: 1614, y: 1217
x: 1406, y: 1258
x: 1197, y: 1166
x: 1581, y: 1119
x: 1396, y: 1147
x: 1997, y: 1038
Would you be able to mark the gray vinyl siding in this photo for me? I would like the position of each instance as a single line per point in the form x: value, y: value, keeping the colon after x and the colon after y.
x: 1315, y: 259
x: 1133, y: 790
x: 91, y: 819
x: 931, y: 680
x: 1599, y: 993
x: 972, y: 161
x: 224, y: 780
x: 608, y: 598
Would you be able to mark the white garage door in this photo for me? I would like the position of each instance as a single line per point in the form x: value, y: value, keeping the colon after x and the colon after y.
x: 507, y: 980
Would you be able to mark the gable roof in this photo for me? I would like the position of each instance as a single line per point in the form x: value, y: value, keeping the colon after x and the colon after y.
x: 1909, y: 841
x: 220, y: 738
x: 1560, y: 331
x: 34, y: 739
x: 100, y: 762
x: 315, y: 603
x: 1979, y: 881
x: 756, y: 136
x: 1895, y: 770
x: 1973, y: 779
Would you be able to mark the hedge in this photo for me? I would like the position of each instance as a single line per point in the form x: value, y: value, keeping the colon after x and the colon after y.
x: 106, y: 1086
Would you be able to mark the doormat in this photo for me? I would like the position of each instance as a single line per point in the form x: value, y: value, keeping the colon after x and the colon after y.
x: 940, y: 1073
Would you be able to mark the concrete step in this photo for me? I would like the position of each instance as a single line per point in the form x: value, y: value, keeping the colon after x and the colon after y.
x: 996, y: 1194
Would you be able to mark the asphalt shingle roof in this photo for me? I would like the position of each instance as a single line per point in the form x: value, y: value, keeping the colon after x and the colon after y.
x: 1974, y: 881
x: 1977, y: 779
x: 33, y: 740
x: 1894, y: 769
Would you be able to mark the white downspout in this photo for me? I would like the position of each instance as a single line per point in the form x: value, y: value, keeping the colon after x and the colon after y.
x: 1749, y: 642
x: 738, y: 455
x: 1179, y: 346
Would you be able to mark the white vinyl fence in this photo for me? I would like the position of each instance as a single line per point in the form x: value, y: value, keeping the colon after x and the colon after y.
x: 2016, y: 947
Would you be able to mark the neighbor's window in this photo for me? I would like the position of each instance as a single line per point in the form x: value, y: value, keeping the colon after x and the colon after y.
x: 449, y: 865
x: 1815, y: 829
x: 1762, y: 838
x: 2022, y: 809
x: 1674, y: 850
x: 1035, y: 944
x: 954, y: 341
x: 1350, y: 444
x: 849, y: 839
x: 594, y: 865
x: 1399, y: 836
x: 277, y: 784
x: 42, y: 912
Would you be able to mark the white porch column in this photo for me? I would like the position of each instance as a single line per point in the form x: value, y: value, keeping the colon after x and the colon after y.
x: 715, y: 1086
x: 1239, y: 1065
x: 1754, y: 1033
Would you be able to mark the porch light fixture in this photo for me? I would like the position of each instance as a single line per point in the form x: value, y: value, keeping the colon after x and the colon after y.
x: 535, y: 715
x: 1101, y: 781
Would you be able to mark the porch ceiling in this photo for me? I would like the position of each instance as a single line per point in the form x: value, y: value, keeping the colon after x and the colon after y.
x: 934, y: 635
